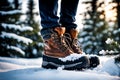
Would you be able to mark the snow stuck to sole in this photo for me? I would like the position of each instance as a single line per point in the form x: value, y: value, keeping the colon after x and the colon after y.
x: 72, y: 57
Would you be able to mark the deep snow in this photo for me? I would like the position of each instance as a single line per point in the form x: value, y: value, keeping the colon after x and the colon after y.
x: 30, y: 69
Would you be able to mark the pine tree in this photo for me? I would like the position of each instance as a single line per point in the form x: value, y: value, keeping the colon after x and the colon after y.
x: 13, y: 42
x: 98, y: 25
x: 116, y: 32
x: 112, y: 46
x: 93, y: 26
x: 113, y: 50
x: 118, y: 12
x: 35, y: 49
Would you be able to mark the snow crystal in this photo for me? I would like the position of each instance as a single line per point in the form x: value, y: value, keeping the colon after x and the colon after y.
x: 14, y: 36
x: 109, y: 41
x: 71, y: 57
x: 17, y: 49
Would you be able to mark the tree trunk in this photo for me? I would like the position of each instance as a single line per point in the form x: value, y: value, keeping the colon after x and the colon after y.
x: 16, y: 4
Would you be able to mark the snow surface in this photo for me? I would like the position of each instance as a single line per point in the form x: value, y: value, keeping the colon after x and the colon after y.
x: 30, y: 69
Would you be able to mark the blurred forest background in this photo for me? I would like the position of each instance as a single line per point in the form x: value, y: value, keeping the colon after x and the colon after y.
x: 20, y: 28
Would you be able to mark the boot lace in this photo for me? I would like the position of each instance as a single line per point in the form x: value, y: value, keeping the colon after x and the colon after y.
x: 73, y: 42
x: 60, y: 41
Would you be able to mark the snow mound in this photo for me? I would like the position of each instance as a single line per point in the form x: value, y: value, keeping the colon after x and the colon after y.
x: 111, y: 68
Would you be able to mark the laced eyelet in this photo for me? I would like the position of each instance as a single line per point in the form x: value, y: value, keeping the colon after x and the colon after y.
x: 59, y: 42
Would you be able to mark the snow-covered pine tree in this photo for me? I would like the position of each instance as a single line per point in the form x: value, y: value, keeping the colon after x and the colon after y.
x: 112, y: 50
x: 13, y: 41
x: 94, y: 24
x: 36, y: 48
x: 112, y: 43
x: 112, y: 47
x: 116, y: 32
x: 98, y: 25
x: 118, y: 12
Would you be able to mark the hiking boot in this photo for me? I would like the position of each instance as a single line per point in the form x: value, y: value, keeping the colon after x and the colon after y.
x: 55, y: 45
x: 56, y: 51
x: 73, y: 41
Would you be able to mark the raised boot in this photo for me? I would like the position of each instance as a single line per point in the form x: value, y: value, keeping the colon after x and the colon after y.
x: 73, y: 40
x: 56, y: 51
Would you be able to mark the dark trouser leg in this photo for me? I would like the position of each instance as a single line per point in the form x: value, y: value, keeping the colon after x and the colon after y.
x: 68, y: 13
x: 48, y: 13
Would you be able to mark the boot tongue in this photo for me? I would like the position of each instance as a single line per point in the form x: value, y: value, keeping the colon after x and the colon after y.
x: 74, y: 33
x: 60, y: 30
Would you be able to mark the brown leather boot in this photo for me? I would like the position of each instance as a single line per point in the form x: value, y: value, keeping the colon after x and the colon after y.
x: 55, y: 45
x: 73, y: 41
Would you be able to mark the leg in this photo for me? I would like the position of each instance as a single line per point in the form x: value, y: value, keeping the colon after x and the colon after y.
x: 48, y: 13
x: 52, y: 33
x: 55, y: 46
x: 67, y: 19
x: 68, y: 13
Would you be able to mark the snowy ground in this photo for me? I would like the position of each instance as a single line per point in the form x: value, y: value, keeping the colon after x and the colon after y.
x: 30, y: 69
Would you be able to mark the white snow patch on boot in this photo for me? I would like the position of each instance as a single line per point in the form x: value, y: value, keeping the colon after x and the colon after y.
x: 72, y: 57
